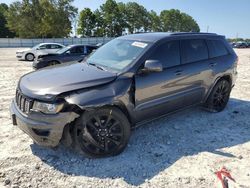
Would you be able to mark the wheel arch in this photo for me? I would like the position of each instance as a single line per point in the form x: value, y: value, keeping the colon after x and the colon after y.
x: 55, y: 60
x: 119, y: 105
x: 227, y: 77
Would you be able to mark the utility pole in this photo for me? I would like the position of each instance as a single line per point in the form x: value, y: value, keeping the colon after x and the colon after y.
x: 207, y: 28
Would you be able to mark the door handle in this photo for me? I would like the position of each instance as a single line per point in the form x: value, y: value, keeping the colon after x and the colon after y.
x: 179, y: 72
x: 212, y: 64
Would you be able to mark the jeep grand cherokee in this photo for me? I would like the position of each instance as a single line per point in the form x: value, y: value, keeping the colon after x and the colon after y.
x: 93, y: 105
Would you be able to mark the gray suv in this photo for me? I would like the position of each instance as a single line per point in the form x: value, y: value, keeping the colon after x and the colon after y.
x: 92, y: 106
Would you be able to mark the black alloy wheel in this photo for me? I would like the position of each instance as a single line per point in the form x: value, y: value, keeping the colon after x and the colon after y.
x: 102, y: 132
x: 219, y: 96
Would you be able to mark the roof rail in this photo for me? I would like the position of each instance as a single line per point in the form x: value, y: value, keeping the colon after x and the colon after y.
x: 192, y: 33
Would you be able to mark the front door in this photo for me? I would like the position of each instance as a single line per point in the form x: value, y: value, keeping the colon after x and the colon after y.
x: 158, y: 93
x: 74, y: 54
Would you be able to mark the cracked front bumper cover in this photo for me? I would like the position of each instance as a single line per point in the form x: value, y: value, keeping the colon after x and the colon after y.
x: 45, y: 130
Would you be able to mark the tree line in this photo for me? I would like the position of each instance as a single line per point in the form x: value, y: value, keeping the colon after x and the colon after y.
x: 115, y: 19
x: 38, y: 18
x: 238, y: 40
x: 54, y: 18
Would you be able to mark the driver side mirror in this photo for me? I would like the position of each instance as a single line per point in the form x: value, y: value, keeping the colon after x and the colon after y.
x: 68, y: 53
x: 152, y: 66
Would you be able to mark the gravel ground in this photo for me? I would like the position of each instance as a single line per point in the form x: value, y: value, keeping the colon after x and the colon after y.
x: 182, y: 150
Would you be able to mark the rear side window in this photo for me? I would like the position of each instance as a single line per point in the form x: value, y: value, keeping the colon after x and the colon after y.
x: 194, y: 50
x: 216, y: 48
x: 168, y: 54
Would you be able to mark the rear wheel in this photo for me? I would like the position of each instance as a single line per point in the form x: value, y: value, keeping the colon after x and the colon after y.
x: 219, y: 96
x: 29, y: 57
x: 101, y: 133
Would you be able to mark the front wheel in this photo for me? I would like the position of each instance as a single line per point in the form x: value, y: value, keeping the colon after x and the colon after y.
x: 52, y: 63
x: 29, y: 57
x: 219, y: 96
x: 101, y: 133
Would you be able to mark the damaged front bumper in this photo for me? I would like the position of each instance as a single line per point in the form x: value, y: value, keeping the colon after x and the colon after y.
x: 44, y: 129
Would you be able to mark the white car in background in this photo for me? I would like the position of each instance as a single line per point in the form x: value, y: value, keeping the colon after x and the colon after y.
x: 43, y: 48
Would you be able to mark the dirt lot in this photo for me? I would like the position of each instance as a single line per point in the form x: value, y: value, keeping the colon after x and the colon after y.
x: 181, y: 150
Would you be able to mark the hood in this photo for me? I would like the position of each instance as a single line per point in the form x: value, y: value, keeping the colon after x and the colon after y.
x: 44, y: 55
x: 23, y: 50
x: 45, y: 84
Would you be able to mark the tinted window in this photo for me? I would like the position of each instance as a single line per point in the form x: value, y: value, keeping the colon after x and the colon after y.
x: 194, y: 50
x: 168, y: 54
x: 55, y: 46
x: 77, y: 50
x: 216, y: 48
x: 80, y: 49
x: 48, y: 46
x: 90, y: 49
x: 42, y: 47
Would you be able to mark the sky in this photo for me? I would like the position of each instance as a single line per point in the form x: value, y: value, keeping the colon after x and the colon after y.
x: 227, y: 17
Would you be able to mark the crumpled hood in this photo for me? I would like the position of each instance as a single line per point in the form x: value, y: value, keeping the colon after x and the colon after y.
x: 49, y: 82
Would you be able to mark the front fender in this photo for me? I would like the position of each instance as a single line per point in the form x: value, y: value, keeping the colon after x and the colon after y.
x: 115, y: 93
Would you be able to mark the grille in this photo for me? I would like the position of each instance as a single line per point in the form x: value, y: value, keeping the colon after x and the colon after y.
x: 23, y: 103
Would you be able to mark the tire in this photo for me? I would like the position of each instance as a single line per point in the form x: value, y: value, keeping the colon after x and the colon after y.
x: 29, y: 57
x: 102, y: 132
x: 52, y: 63
x: 219, y: 96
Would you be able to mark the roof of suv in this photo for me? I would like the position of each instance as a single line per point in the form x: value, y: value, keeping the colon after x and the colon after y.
x: 155, y: 36
x: 74, y: 45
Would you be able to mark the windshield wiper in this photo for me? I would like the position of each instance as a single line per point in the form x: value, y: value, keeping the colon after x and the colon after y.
x: 97, y: 66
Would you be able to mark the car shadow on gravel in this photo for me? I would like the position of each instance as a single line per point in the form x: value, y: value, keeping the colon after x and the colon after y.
x: 157, y: 145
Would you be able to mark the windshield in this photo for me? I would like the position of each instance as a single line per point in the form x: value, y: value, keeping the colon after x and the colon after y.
x: 63, y: 50
x: 36, y: 46
x: 117, y: 54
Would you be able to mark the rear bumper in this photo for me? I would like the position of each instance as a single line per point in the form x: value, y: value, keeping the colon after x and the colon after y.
x: 45, y: 130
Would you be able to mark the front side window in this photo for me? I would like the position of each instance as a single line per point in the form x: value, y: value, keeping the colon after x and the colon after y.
x: 118, y: 53
x: 216, y: 48
x: 48, y: 46
x: 168, y: 54
x: 77, y: 50
x: 63, y: 50
x: 42, y: 47
x: 194, y: 50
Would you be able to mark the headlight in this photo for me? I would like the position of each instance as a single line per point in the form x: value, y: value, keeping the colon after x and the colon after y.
x: 47, y: 108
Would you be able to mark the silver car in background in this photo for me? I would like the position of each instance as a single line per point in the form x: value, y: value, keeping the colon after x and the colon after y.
x: 43, y: 48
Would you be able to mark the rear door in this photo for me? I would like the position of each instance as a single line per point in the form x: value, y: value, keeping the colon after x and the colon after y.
x: 197, y: 66
x: 221, y: 60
